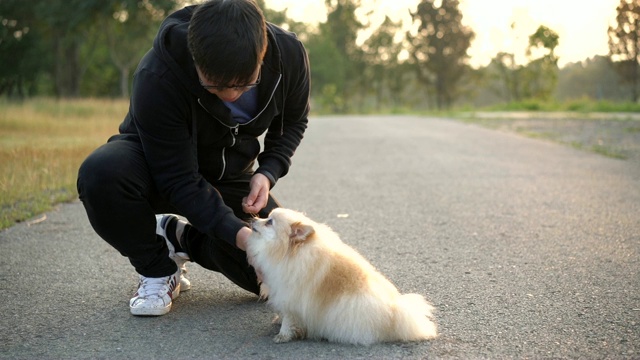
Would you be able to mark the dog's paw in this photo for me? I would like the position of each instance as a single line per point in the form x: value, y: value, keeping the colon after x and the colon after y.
x: 299, y: 333
x: 291, y: 333
x: 282, y: 338
x: 264, y: 291
x: 276, y: 320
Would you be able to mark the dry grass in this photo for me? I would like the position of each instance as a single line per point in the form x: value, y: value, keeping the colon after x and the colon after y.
x: 44, y: 141
x: 42, y: 144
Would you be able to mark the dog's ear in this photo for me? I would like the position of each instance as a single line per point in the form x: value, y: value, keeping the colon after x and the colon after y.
x: 300, y: 232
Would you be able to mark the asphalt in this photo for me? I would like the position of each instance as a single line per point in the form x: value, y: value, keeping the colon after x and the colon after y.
x: 528, y: 249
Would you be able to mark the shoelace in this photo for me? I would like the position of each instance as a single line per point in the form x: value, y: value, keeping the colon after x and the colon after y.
x: 153, y: 286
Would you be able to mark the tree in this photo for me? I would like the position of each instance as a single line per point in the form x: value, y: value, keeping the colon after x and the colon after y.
x: 537, y: 79
x: 381, y: 53
x: 328, y: 71
x: 439, y: 49
x: 541, y: 74
x: 341, y: 29
x: 62, y: 38
x: 506, y: 73
x: 624, y: 44
x: 594, y: 78
x: 67, y: 31
x: 130, y: 31
x: 22, y: 53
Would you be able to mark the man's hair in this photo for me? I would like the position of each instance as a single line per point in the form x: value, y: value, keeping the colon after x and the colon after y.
x: 228, y: 40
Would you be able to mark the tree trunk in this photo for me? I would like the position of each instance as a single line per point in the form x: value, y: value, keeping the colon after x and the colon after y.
x: 67, y: 71
x: 635, y: 71
x: 124, y: 82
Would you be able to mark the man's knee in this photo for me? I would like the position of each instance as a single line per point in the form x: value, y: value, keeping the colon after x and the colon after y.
x: 107, y: 171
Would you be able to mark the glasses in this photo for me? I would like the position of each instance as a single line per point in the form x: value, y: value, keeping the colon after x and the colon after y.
x: 246, y: 87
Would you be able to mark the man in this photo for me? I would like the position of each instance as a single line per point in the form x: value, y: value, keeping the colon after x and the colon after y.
x: 218, y: 77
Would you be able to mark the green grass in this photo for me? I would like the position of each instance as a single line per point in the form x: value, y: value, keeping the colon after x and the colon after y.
x: 607, y: 151
x: 578, y: 105
x: 42, y: 144
x: 44, y: 141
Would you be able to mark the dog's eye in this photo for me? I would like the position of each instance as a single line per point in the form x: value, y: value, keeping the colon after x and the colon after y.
x: 269, y: 222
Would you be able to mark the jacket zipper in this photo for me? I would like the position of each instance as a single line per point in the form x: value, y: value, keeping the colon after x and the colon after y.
x: 224, y: 151
x: 234, y: 129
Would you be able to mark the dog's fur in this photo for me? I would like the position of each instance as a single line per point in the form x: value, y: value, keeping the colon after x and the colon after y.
x: 324, y: 289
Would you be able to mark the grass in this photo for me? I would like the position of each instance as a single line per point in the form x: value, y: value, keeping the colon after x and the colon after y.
x: 576, y: 105
x: 44, y: 141
x: 42, y: 144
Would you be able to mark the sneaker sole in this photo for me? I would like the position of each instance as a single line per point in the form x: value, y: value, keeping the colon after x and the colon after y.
x: 141, y: 311
x: 184, y: 286
x: 151, y: 311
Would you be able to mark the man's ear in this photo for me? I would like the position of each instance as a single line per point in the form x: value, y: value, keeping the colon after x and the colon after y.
x: 300, y: 232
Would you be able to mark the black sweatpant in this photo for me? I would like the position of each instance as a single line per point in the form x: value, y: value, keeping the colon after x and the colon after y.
x: 121, y: 201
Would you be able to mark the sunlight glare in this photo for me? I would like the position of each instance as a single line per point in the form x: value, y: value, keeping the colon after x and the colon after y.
x: 581, y: 24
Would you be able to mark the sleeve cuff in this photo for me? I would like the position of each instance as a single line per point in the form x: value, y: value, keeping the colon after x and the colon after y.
x: 228, y: 229
x: 272, y: 179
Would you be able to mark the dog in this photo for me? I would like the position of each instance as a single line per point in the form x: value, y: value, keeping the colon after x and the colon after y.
x: 323, y: 289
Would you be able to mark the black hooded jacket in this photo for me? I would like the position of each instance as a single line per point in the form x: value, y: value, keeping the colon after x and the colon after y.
x: 189, y: 138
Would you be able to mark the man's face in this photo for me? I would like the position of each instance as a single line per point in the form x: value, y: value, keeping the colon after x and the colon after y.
x: 229, y: 92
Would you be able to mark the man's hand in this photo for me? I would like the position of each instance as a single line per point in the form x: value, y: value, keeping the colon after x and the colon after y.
x: 241, y: 238
x: 258, y: 195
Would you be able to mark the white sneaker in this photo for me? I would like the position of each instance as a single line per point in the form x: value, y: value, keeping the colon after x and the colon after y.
x: 155, y: 295
x: 180, y: 258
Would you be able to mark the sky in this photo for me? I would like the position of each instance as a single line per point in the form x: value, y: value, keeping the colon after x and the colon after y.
x: 581, y: 24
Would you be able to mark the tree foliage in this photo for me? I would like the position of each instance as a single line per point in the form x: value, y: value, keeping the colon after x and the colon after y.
x: 505, y: 74
x: 535, y: 80
x: 624, y: 44
x: 65, y: 33
x: 338, y: 35
x: 541, y: 74
x: 91, y: 47
x: 439, y: 48
x: 21, y: 49
x: 129, y: 34
x: 381, y: 53
x: 593, y: 78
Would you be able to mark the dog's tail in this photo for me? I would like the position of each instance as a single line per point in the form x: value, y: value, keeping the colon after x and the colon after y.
x: 414, y: 318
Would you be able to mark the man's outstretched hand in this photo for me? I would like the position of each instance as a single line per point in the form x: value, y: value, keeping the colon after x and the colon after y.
x: 258, y: 195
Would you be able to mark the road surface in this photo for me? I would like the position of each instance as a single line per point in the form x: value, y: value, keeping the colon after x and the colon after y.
x: 527, y: 249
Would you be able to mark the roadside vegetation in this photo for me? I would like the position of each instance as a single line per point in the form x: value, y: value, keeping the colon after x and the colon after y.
x: 580, y: 106
x: 42, y: 144
x: 56, y: 107
x: 43, y: 141
x: 607, y: 128
x: 612, y: 134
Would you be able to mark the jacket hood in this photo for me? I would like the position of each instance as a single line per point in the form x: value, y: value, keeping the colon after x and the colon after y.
x: 171, y: 46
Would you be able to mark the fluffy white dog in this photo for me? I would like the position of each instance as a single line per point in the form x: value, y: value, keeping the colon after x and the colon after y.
x: 324, y: 289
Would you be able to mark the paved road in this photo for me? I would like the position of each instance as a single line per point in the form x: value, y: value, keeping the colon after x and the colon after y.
x: 528, y: 249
